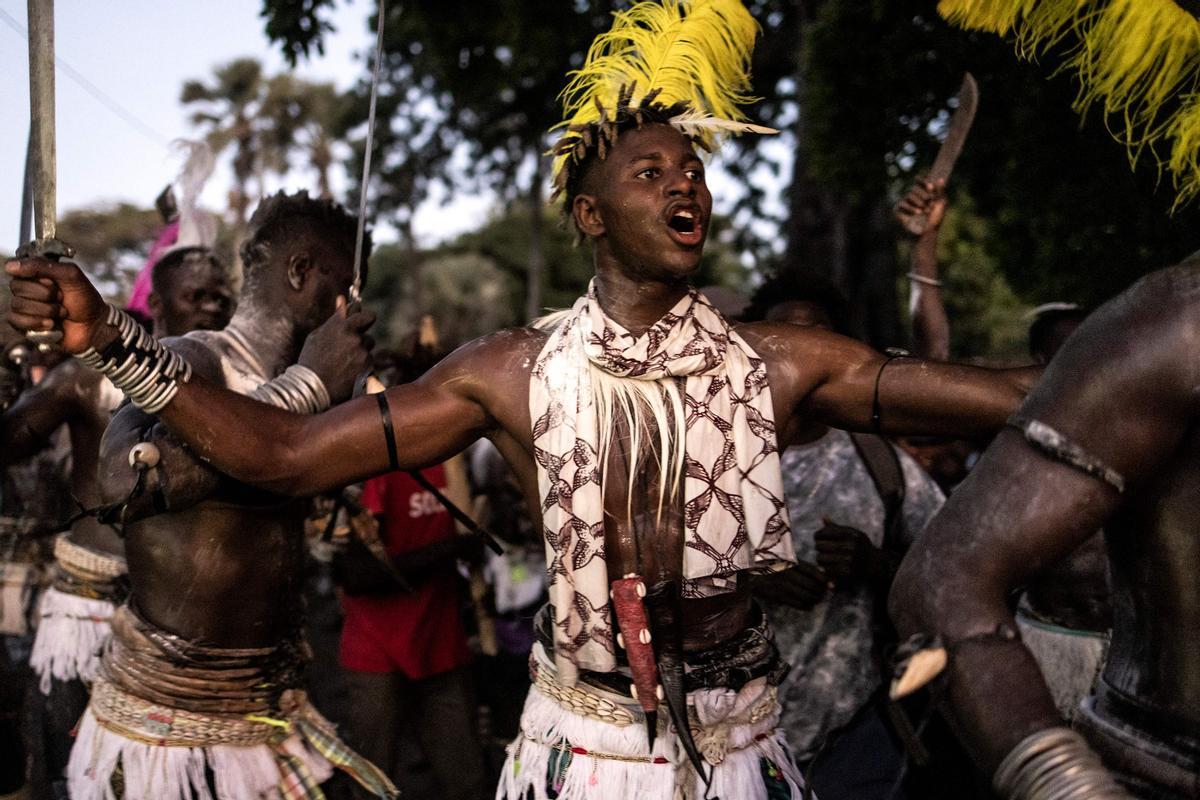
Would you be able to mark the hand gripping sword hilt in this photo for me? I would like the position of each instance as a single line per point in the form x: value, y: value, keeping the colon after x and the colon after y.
x: 54, y: 250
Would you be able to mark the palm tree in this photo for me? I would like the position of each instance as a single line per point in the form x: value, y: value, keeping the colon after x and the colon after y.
x: 305, y: 116
x: 229, y: 107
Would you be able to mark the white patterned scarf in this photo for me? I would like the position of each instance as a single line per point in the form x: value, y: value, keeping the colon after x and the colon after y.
x: 735, y: 517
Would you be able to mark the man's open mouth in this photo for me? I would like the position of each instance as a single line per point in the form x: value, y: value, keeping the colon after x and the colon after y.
x: 685, y: 226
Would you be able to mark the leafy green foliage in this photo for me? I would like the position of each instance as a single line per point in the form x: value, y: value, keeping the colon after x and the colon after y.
x: 1067, y: 218
x: 987, y: 319
x: 467, y: 294
x: 266, y: 120
x: 476, y: 284
x: 298, y: 25
x: 1055, y: 211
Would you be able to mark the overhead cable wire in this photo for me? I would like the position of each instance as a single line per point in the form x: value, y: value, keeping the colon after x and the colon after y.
x: 98, y: 94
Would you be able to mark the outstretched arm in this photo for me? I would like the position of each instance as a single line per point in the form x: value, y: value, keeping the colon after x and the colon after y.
x: 324, y: 373
x: 264, y: 446
x: 834, y: 381
x: 931, y: 327
x: 1123, y: 392
x: 432, y: 419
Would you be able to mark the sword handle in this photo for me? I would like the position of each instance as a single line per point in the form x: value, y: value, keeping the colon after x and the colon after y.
x: 53, y: 250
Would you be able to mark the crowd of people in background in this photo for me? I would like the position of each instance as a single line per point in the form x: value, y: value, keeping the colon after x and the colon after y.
x: 668, y: 543
x: 421, y: 635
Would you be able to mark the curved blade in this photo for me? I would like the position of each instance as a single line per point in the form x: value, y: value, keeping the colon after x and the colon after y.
x: 952, y: 146
x: 960, y: 126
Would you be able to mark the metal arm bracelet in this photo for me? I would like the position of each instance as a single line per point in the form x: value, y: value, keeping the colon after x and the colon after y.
x: 297, y: 389
x: 1058, y: 447
x: 138, y: 364
x: 1055, y: 764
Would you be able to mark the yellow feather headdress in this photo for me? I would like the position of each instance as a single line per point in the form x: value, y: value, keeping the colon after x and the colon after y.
x: 1139, y: 59
x: 690, y: 58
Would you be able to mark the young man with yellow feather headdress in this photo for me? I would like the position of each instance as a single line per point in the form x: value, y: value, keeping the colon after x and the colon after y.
x: 642, y: 426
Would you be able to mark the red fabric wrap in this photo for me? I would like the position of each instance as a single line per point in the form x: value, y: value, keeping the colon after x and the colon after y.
x: 627, y: 594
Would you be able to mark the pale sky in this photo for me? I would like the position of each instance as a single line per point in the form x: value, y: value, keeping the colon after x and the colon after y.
x: 139, y: 53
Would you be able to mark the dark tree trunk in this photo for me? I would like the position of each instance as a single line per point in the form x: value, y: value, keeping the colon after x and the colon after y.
x: 872, y: 275
x: 850, y: 242
x: 816, y: 225
x: 537, y: 254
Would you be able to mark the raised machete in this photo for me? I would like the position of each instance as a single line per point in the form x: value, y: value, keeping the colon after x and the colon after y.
x: 956, y: 137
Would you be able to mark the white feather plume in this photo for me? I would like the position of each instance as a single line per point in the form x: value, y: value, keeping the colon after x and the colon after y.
x: 197, y: 227
x: 698, y: 123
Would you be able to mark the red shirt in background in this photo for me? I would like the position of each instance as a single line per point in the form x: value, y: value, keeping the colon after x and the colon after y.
x: 418, y: 633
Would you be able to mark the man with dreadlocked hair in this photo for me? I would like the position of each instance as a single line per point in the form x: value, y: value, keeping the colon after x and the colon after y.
x: 643, y: 429
x: 198, y: 688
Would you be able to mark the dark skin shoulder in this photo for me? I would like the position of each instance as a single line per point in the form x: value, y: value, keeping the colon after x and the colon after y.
x: 183, y: 479
x: 1124, y: 388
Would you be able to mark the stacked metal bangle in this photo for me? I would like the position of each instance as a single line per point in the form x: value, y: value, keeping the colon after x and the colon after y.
x: 1055, y: 764
x: 138, y: 364
x: 298, y: 389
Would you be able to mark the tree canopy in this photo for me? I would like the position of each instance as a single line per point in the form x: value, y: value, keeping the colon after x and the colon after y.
x: 861, y: 89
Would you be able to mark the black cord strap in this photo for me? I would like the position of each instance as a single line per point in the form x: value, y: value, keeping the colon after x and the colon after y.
x: 892, y: 353
x: 457, y: 512
x: 111, y: 514
x: 389, y: 433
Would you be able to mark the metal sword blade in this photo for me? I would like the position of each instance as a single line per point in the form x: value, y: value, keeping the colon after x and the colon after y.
x: 41, y: 146
x: 356, y: 287
x: 41, y: 114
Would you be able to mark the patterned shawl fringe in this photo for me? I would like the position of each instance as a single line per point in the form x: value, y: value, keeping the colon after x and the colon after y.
x: 1138, y: 59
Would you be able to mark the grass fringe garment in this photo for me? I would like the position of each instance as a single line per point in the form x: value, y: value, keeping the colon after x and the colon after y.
x: 1138, y: 59
x: 70, y: 637
x: 562, y: 753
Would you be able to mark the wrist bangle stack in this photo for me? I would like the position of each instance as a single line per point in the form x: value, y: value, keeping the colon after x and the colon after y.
x: 297, y: 389
x: 1055, y: 764
x: 138, y: 364
x: 923, y: 279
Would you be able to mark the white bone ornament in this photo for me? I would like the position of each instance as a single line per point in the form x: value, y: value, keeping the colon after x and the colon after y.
x: 922, y: 667
x: 144, y: 455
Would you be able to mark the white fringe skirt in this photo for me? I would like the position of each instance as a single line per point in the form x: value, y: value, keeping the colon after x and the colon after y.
x: 71, y: 633
x: 572, y: 756
x: 160, y: 772
x: 1070, y: 660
